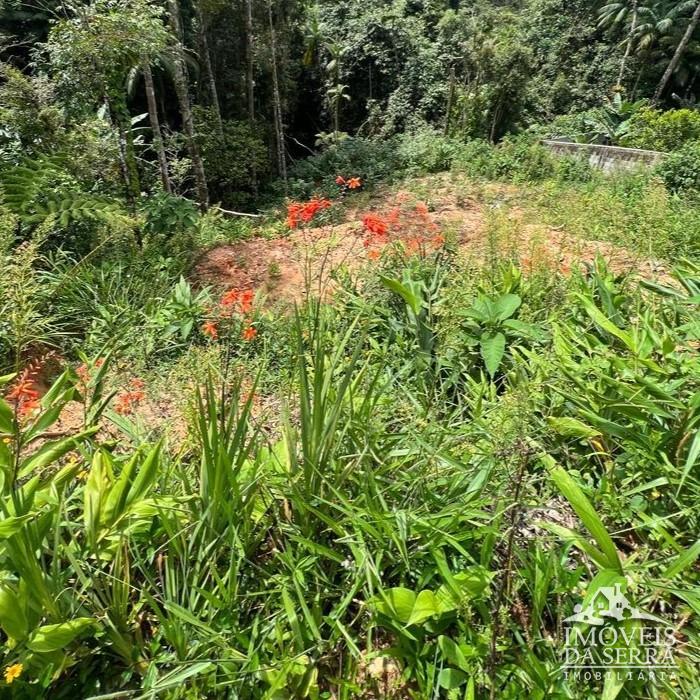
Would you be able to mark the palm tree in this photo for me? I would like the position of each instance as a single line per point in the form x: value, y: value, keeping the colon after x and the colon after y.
x: 680, y: 49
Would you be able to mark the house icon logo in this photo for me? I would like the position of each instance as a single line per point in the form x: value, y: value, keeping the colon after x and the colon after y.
x: 609, y: 603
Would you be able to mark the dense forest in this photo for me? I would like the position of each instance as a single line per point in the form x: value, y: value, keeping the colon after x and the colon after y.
x: 350, y: 349
x: 218, y: 101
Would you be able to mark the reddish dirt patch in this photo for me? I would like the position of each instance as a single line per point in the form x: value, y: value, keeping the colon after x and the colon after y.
x: 284, y: 267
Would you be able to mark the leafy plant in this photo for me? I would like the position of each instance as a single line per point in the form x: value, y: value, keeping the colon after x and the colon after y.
x: 490, y: 325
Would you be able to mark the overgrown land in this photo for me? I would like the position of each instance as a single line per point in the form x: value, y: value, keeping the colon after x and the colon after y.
x: 321, y: 377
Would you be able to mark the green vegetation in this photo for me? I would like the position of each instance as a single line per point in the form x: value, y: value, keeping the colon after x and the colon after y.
x: 320, y: 376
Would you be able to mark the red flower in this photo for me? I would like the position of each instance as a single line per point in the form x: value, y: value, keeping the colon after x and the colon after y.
x: 24, y: 394
x: 249, y: 333
x: 246, y: 301
x: 374, y: 224
x: 354, y: 183
x: 303, y: 213
x: 340, y: 180
x: 129, y: 399
x: 229, y: 298
x: 210, y: 329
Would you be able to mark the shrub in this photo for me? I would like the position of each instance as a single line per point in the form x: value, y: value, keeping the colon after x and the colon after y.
x: 680, y: 171
x: 522, y: 160
x: 167, y: 215
x: 372, y: 160
x: 518, y: 158
x: 230, y: 159
x: 475, y: 158
x: 573, y: 169
x: 662, y: 131
x: 427, y: 151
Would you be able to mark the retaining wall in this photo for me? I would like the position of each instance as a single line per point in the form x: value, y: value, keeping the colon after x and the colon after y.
x: 606, y: 158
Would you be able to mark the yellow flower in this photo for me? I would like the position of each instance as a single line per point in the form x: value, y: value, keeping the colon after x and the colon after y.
x: 13, y: 672
x: 7, y: 440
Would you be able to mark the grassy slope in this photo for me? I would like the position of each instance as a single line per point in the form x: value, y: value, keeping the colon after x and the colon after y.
x: 357, y: 454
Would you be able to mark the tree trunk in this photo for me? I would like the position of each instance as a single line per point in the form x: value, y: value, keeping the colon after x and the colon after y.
x: 119, y: 114
x: 277, y: 102
x: 209, y: 72
x: 183, y: 98
x: 250, y: 80
x: 628, y: 48
x: 680, y: 50
x: 450, y: 100
x: 155, y: 125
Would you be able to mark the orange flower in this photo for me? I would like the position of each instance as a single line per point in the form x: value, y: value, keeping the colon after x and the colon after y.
x: 210, y: 329
x: 229, y: 298
x: 375, y: 224
x: 438, y: 240
x: 354, y: 183
x: 129, y: 399
x: 24, y: 394
x: 373, y: 254
x: 249, y: 333
x: 303, y: 213
x: 246, y: 301
x: 340, y: 180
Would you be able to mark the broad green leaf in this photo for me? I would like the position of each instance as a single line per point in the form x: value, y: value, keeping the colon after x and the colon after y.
x: 7, y: 418
x: 145, y: 475
x: 505, y: 306
x: 404, y: 292
x: 493, y: 347
x: 12, y: 618
x: 425, y: 607
x: 396, y: 603
x: 53, y: 637
x: 451, y: 651
x: 605, y: 323
x: 451, y: 678
x: 524, y: 329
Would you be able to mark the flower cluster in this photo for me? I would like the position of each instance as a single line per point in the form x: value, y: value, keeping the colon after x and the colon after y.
x: 130, y: 398
x: 24, y: 395
x: 412, y: 225
x: 234, y: 301
x: 300, y: 213
x: 352, y: 183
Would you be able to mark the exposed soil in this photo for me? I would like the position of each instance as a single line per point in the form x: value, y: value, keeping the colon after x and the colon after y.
x: 283, y: 267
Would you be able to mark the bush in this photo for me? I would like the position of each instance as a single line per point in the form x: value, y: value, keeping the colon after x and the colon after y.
x: 662, y: 131
x: 574, y: 169
x: 680, y: 171
x: 517, y: 158
x: 475, y: 158
x: 373, y: 160
x: 231, y: 159
x: 427, y: 151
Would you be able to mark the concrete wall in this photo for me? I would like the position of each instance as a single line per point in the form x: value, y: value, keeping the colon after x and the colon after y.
x: 606, y: 158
